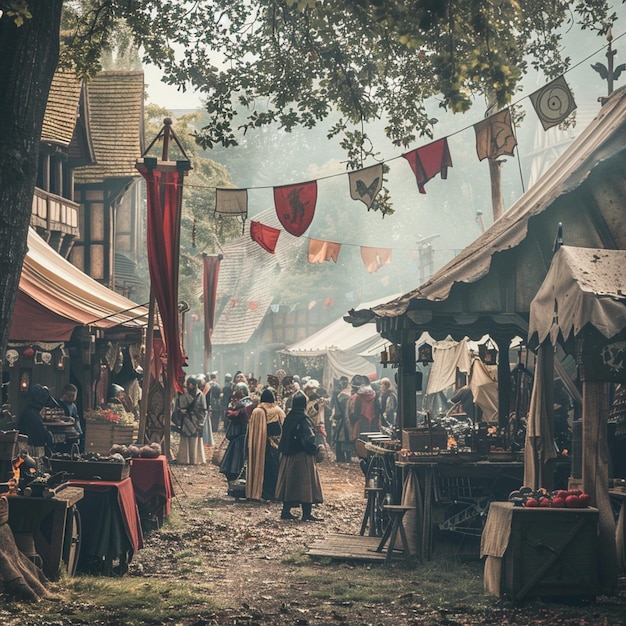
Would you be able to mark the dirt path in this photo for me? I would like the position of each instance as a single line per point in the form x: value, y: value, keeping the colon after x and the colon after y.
x: 245, y: 538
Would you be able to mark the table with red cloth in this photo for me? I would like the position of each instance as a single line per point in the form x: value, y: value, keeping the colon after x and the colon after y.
x: 152, y: 483
x: 110, y: 526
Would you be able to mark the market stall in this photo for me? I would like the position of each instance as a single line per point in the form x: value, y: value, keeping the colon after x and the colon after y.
x: 582, y: 304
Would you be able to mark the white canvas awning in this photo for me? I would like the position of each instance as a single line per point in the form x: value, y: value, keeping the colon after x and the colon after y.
x: 55, y: 297
x: 583, y: 286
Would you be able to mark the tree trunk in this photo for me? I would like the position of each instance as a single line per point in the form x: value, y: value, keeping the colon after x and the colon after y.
x: 28, y: 58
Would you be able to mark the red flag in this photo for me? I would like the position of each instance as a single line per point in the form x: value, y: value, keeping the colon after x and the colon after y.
x: 428, y: 161
x: 164, y: 188
x: 265, y: 236
x: 211, y: 264
x: 295, y: 206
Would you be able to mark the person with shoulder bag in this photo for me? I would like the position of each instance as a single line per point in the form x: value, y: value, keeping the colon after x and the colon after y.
x: 298, y: 478
x: 191, y: 413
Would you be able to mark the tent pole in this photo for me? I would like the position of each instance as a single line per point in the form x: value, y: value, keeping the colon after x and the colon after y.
x: 147, y: 373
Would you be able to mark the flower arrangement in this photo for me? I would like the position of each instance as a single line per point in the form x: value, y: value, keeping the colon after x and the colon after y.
x: 112, y: 413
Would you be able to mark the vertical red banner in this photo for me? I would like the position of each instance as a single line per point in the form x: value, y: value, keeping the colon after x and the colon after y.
x: 164, y: 195
x: 211, y: 276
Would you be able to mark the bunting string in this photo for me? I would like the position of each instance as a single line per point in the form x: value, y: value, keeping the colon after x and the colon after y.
x: 295, y: 203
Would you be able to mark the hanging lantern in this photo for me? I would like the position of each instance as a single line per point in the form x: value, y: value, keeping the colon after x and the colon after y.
x: 24, y: 382
x: 425, y: 354
x: 384, y: 358
x: 488, y: 353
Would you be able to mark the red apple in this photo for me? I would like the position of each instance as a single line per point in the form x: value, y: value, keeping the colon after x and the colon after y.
x: 562, y: 493
x: 545, y: 502
x: 571, y: 502
x: 583, y: 500
x: 531, y: 503
x: 558, y: 502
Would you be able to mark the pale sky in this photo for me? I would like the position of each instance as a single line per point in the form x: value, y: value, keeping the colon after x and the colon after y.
x: 165, y: 95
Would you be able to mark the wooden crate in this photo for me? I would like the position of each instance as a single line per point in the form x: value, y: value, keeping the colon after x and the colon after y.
x: 100, y: 436
x: 552, y: 553
x: 89, y: 470
x: 425, y: 439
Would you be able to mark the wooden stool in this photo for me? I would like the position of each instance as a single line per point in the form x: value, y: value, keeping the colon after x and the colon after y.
x: 396, y: 514
x: 371, y: 494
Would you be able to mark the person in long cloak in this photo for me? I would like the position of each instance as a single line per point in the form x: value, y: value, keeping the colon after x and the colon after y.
x: 191, y: 407
x: 298, y: 478
x: 264, y: 432
x: 237, y: 417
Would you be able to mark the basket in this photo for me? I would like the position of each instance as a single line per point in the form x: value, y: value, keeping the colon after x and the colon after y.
x: 100, y: 436
x: 92, y: 470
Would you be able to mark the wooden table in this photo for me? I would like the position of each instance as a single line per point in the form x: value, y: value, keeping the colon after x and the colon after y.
x: 456, y: 494
x: 152, y: 484
x: 111, y: 527
x: 54, y: 523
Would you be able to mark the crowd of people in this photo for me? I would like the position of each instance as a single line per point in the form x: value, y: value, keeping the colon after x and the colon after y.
x: 275, y: 434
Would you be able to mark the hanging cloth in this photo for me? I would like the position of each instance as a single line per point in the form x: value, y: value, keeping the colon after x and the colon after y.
x: 494, y: 136
x: 553, y: 102
x: 265, y: 236
x: 295, y: 206
x: 366, y: 183
x: 375, y: 258
x: 428, y: 161
x: 320, y: 251
x: 164, y: 199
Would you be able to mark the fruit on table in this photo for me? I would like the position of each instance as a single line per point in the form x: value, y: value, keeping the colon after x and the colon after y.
x: 542, y: 498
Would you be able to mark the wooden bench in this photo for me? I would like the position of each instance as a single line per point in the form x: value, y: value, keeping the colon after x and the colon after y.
x: 396, y: 515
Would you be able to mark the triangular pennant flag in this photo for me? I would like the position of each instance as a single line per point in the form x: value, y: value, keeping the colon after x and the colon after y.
x: 553, y: 102
x: 494, y: 136
x: 428, y: 161
x: 295, y: 206
x: 231, y: 202
x: 375, y: 258
x: 320, y: 251
x: 366, y: 183
x: 265, y: 236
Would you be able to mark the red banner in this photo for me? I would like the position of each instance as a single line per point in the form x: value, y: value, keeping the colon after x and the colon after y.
x: 211, y: 276
x: 164, y: 187
x: 295, y: 206
x: 265, y: 236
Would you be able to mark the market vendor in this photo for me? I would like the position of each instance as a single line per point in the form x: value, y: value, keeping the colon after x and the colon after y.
x: 31, y: 422
x: 67, y: 401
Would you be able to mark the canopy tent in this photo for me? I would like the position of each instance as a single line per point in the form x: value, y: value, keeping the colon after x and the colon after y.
x: 55, y: 297
x: 348, y: 350
x: 583, y: 299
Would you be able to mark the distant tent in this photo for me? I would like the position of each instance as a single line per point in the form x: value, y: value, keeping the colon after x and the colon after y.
x: 349, y: 350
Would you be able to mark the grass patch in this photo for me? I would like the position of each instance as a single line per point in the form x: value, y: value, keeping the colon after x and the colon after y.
x: 436, y: 584
x: 128, y: 601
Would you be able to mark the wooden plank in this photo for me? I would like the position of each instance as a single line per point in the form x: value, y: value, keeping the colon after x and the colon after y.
x: 349, y: 547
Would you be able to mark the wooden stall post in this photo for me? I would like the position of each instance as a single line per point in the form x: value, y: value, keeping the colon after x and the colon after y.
x: 407, y: 406
x: 596, y: 475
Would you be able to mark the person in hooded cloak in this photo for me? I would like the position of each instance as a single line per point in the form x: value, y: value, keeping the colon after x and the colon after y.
x: 298, y: 478
x: 237, y: 417
x: 264, y: 432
